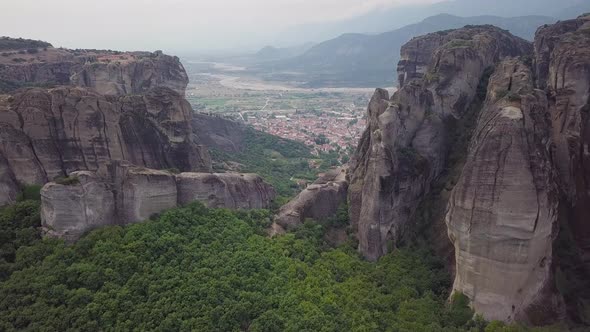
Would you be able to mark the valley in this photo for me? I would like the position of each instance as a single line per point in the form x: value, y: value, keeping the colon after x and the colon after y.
x: 326, y: 119
x: 432, y: 178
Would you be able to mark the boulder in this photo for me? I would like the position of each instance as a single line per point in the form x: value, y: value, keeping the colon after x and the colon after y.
x: 319, y: 201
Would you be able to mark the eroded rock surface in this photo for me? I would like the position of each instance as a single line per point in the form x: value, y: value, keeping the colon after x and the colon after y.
x: 45, y: 133
x: 319, y: 201
x: 225, y: 190
x: 219, y: 133
x: 107, y: 72
x: 502, y: 214
x: 68, y: 211
x: 562, y: 65
x: 141, y: 193
x: 406, y: 141
x: 121, y: 193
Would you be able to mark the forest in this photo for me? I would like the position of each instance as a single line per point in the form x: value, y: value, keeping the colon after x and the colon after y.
x: 200, y: 269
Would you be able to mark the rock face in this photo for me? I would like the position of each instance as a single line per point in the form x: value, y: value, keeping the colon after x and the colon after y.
x: 70, y: 210
x: 502, y: 213
x: 45, y: 133
x: 142, y: 192
x: 525, y: 174
x: 406, y: 142
x: 225, y: 190
x: 120, y: 193
x: 107, y: 72
x: 562, y: 68
x: 143, y: 72
x: 318, y: 201
x: 219, y: 133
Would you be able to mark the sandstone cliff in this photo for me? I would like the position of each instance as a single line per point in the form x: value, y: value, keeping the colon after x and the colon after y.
x: 319, y: 201
x: 120, y: 193
x: 219, y: 133
x: 46, y: 133
x: 405, y: 144
x: 525, y: 173
x: 225, y: 190
x: 502, y: 213
x: 107, y: 72
x: 562, y: 68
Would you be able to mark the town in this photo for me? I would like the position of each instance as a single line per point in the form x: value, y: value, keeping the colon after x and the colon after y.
x: 324, y: 131
x: 327, y: 120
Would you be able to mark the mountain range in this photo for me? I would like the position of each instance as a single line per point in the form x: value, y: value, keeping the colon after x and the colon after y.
x: 386, y: 19
x: 356, y: 59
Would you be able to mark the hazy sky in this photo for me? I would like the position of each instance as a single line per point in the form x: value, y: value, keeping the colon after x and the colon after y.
x: 172, y: 25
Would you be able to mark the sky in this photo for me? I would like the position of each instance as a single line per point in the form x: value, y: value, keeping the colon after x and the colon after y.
x: 172, y: 25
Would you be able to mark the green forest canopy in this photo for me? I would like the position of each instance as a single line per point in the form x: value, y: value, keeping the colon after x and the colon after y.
x: 199, y: 269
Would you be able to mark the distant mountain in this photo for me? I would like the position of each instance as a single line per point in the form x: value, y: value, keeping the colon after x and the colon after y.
x: 369, y: 60
x: 277, y: 53
x: 381, y: 20
x: 573, y: 11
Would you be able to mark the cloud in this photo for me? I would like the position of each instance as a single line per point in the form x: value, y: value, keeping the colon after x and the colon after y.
x: 171, y: 24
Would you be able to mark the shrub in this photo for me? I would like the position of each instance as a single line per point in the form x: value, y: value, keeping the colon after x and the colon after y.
x: 30, y: 192
x: 67, y: 180
x: 458, y: 43
x: 173, y: 170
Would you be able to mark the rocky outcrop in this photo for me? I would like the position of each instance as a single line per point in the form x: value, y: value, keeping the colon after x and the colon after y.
x: 502, y: 214
x: 406, y: 141
x: 107, y: 72
x: 120, y: 193
x: 69, y: 210
x: 225, y: 190
x: 524, y: 176
x: 562, y: 68
x: 137, y: 74
x: 142, y: 192
x: 319, y: 201
x: 46, y: 133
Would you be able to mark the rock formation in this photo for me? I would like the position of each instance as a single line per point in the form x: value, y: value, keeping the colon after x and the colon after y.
x: 225, y: 190
x: 46, y: 133
x: 319, y: 201
x: 525, y: 173
x: 503, y: 210
x: 107, y: 72
x: 68, y: 211
x: 562, y: 68
x: 120, y: 193
x: 219, y: 133
x: 405, y: 144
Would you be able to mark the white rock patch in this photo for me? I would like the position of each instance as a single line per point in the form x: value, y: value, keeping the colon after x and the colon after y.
x: 512, y: 112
